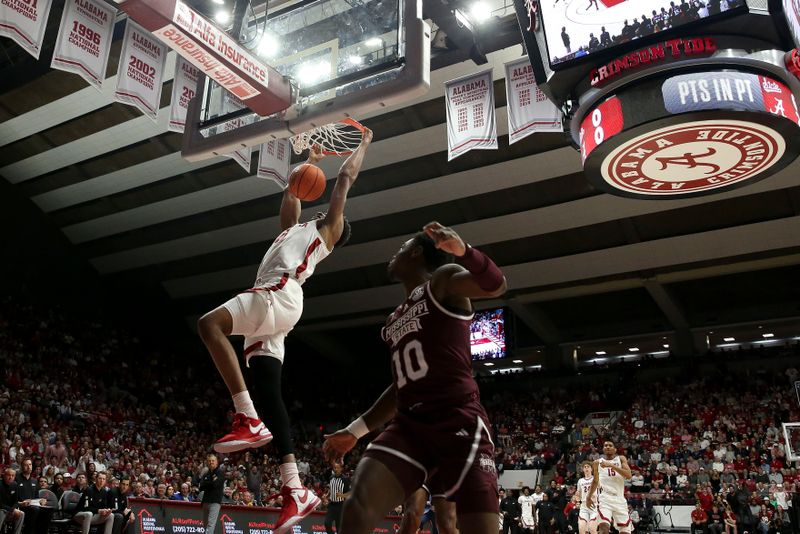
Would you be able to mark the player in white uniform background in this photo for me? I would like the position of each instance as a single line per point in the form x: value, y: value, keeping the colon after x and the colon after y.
x: 264, y: 315
x: 527, y: 504
x: 587, y: 516
x: 610, y: 473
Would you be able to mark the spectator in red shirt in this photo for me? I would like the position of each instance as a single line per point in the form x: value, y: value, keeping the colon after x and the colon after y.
x: 706, y: 499
x: 730, y: 520
x: 699, y: 518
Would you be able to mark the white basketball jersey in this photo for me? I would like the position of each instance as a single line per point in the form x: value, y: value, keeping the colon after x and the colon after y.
x: 611, y: 484
x: 293, y: 255
x: 526, y: 504
x: 584, y: 485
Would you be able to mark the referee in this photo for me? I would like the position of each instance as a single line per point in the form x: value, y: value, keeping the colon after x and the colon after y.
x: 338, y: 491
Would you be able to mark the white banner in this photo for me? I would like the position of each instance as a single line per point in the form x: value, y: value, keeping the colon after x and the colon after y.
x: 231, y: 103
x: 273, y: 161
x: 84, y: 40
x: 141, y: 70
x: 24, y: 21
x: 529, y: 110
x: 470, y: 114
x: 183, y: 89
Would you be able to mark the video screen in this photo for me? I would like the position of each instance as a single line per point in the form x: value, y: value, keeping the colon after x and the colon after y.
x: 791, y: 9
x: 577, y: 28
x: 487, y: 335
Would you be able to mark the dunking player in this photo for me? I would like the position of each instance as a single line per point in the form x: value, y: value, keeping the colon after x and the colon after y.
x: 609, y: 475
x: 587, y: 516
x: 264, y: 315
x: 438, y: 425
x: 424, y: 507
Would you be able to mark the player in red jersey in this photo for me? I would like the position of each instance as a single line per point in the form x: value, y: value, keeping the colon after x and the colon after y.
x: 438, y: 426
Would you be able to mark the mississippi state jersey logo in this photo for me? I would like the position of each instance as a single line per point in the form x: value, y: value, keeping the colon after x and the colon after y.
x: 417, y: 293
x: 693, y: 157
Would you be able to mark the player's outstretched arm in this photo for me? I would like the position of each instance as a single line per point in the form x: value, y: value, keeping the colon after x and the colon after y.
x: 332, y: 224
x: 290, y: 205
x: 381, y: 412
x: 479, y: 277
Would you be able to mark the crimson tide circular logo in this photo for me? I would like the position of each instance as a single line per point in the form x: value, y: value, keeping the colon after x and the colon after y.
x: 693, y: 157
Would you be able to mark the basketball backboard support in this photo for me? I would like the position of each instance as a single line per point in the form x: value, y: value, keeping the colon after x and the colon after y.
x: 342, y: 57
x: 791, y: 433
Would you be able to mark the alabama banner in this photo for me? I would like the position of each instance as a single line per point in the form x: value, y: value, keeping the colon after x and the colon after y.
x: 184, y: 87
x: 24, y: 21
x: 529, y: 110
x: 273, y: 161
x: 141, y: 70
x: 229, y: 104
x: 84, y: 40
x: 470, y: 114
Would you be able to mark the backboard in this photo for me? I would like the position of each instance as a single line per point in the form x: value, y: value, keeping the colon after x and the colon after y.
x: 342, y: 58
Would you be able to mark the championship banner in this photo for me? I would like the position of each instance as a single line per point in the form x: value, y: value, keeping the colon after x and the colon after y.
x: 24, y: 22
x: 273, y: 161
x: 141, y: 70
x: 184, y: 86
x: 229, y: 104
x: 529, y: 110
x: 84, y: 40
x: 178, y: 517
x: 470, y: 114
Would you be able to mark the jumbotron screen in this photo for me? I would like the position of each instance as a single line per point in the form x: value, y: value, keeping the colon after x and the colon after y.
x: 487, y: 335
x: 578, y: 28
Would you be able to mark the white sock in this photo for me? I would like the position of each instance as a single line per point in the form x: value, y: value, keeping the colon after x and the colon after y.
x: 243, y: 404
x: 290, y: 476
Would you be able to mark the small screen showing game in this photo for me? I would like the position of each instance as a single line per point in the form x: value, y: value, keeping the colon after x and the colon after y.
x: 487, y: 336
x: 578, y: 28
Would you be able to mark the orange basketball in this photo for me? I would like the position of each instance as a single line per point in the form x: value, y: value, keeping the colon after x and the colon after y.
x: 307, y: 182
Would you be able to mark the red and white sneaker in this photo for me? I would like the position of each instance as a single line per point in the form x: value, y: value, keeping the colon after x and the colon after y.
x: 247, y: 433
x: 297, y: 503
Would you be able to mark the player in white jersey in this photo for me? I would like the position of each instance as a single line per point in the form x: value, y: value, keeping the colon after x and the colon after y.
x: 587, y: 516
x: 527, y: 518
x: 610, y: 473
x: 264, y: 315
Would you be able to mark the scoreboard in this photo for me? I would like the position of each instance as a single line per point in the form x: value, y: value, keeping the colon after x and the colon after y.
x: 671, y: 98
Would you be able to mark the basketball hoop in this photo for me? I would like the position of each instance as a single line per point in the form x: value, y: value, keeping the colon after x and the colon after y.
x: 336, y: 139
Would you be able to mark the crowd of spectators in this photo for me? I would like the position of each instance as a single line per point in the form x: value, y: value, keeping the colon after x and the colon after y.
x: 81, y: 398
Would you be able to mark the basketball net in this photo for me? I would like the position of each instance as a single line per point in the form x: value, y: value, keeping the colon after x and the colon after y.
x: 335, y: 139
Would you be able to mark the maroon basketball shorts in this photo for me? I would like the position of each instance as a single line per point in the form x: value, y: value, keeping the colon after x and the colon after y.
x: 453, y: 451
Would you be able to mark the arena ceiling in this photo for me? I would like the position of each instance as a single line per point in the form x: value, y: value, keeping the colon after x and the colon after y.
x: 582, y: 265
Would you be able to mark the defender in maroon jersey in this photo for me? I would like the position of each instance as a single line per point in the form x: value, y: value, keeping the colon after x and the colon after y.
x: 438, y: 426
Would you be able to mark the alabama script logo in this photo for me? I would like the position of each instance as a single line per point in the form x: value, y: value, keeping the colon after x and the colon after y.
x: 693, y: 157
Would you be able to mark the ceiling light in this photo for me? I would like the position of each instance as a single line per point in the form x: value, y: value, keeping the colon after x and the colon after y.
x: 489, y: 364
x: 633, y: 349
x: 728, y: 339
x: 268, y: 46
x: 219, y: 2
x: 374, y: 41
x: 665, y: 345
x: 355, y: 60
x: 480, y: 12
x: 768, y: 335
x: 222, y: 16
x: 310, y: 73
x: 601, y: 353
x: 516, y: 361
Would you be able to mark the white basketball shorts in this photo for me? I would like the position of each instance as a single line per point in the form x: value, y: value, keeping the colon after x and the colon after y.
x: 265, y: 315
x: 614, y: 511
x: 587, y: 515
